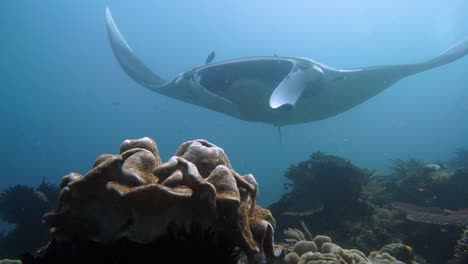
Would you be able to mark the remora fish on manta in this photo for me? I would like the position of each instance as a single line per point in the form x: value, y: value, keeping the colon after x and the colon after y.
x: 275, y: 90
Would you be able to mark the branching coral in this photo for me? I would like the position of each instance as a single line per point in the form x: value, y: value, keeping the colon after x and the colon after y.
x: 295, y: 235
x: 408, y: 168
x: 374, y: 191
x: 135, y: 196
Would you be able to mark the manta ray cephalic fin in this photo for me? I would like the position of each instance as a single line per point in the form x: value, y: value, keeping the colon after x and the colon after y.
x: 290, y: 89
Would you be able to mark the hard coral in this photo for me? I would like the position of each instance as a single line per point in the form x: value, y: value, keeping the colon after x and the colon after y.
x: 433, y: 215
x: 327, y: 195
x: 413, y: 182
x: 134, y: 196
x: 321, y: 177
x: 399, y: 251
x: 408, y: 168
x: 461, y: 249
x: 321, y: 249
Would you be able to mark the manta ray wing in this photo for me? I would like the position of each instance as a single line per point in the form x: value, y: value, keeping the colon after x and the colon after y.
x: 345, y: 89
x: 130, y: 63
x: 274, y: 90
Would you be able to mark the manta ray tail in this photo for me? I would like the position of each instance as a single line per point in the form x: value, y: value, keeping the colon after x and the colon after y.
x: 451, y: 54
x: 279, y: 134
x: 130, y: 63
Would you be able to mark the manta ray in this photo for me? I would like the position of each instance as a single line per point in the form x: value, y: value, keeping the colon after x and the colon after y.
x: 272, y: 89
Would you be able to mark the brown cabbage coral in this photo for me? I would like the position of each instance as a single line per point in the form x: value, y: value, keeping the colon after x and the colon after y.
x: 135, y: 196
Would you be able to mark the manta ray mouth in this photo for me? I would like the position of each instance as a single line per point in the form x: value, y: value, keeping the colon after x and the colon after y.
x: 221, y: 78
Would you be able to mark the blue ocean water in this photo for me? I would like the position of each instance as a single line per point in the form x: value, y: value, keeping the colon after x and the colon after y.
x: 64, y: 99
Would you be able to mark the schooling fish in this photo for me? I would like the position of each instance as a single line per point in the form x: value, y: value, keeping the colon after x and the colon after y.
x: 275, y: 90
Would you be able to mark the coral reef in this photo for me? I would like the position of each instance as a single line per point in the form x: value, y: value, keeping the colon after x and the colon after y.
x: 461, y: 249
x: 408, y: 168
x: 363, y: 210
x: 133, y: 200
x: 335, y: 197
x: 315, y: 184
x: 196, y: 208
x: 321, y: 249
x: 23, y: 207
x: 415, y: 182
x: 435, y: 200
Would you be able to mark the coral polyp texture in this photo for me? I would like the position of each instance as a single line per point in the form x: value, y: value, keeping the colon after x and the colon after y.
x: 135, y: 197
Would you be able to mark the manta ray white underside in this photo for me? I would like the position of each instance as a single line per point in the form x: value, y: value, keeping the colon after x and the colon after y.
x: 274, y: 90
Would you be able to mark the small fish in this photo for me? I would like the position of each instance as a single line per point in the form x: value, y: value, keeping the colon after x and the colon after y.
x: 210, y: 57
x: 409, y: 248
